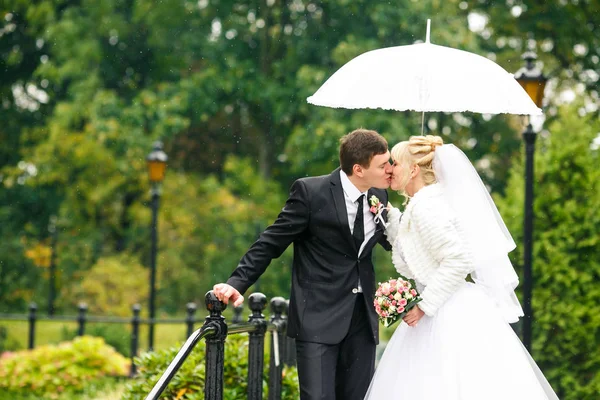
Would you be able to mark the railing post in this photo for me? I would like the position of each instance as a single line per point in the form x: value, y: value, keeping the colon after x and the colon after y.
x: 189, y: 319
x: 256, y: 350
x: 290, y: 344
x: 277, y: 339
x: 237, y: 314
x: 32, y: 318
x: 215, y: 348
x: 135, y: 332
x: 81, y: 319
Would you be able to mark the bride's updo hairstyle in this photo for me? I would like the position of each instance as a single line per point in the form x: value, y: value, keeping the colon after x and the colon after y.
x: 418, y: 150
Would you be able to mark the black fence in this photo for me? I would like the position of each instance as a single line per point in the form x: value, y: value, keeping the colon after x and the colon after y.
x: 215, y: 331
x: 212, y: 329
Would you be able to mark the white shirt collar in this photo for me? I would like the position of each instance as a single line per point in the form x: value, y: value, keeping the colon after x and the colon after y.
x: 349, y: 189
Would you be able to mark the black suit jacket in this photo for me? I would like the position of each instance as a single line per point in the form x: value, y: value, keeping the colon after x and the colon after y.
x: 326, y: 265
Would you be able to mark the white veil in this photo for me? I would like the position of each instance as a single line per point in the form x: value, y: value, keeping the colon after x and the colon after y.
x: 487, y: 236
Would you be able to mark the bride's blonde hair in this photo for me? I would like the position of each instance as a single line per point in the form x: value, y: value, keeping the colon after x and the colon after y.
x: 417, y: 150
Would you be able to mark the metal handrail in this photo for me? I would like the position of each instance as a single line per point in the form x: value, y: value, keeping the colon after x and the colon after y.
x: 184, y: 352
x: 215, y: 330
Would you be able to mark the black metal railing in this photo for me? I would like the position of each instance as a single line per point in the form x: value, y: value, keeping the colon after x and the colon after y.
x: 216, y: 330
x: 82, y: 319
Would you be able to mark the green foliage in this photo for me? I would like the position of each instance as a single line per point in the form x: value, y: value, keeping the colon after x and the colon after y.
x: 224, y: 86
x: 563, y: 34
x: 115, y: 335
x: 109, y: 388
x: 566, y: 253
x: 71, y: 366
x: 112, y: 286
x: 188, y: 383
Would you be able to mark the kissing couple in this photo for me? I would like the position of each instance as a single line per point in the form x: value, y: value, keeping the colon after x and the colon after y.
x: 456, y: 344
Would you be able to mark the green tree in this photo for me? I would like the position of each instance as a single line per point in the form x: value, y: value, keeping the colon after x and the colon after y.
x: 93, y: 84
x: 566, y: 252
x: 111, y: 286
x: 563, y: 33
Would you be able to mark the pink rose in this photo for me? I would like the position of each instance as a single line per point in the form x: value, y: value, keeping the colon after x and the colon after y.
x: 403, y: 302
x: 413, y: 292
x: 401, y: 310
x: 373, y: 209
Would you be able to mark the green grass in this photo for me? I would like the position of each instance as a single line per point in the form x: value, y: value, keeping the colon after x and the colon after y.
x: 51, y: 332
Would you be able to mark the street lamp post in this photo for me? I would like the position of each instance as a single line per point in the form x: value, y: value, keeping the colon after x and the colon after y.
x: 157, y: 163
x: 533, y: 81
x: 52, y: 277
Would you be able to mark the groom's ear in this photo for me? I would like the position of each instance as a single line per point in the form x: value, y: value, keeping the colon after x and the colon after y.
x: 357, y: 170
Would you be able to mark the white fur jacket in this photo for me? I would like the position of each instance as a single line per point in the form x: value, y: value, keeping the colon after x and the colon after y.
x: 427, y: 247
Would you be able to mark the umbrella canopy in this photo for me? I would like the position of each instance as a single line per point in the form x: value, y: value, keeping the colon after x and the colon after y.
x: 424, y: 77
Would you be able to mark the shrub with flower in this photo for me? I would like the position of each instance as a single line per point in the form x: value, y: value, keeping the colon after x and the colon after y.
x: 394, y: 298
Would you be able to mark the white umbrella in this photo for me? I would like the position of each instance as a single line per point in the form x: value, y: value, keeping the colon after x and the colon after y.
x: 424, y: 77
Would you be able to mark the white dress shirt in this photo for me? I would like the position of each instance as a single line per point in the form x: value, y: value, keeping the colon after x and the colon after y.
x: 351, y: 195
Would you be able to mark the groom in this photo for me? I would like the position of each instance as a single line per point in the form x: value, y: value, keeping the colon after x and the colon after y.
x: 331, y: 313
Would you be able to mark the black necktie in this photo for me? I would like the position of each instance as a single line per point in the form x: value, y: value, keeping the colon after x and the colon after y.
x: 359, y: 228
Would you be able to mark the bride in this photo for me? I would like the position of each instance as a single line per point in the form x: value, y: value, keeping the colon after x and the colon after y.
x: 456, y: 344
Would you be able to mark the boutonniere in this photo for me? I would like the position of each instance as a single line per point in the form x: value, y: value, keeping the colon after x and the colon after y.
x: 377, y: 208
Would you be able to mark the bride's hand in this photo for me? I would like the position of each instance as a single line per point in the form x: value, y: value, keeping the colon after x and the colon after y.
x: 413, y: 316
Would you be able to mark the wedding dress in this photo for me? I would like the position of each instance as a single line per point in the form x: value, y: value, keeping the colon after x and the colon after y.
x: 463, y: 348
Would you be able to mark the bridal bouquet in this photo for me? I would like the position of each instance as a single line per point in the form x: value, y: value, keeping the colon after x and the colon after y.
x: 394, y: 298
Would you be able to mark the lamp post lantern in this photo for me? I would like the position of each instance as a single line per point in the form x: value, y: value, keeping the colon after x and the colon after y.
x: 157, y: 164
x: 533, y: 81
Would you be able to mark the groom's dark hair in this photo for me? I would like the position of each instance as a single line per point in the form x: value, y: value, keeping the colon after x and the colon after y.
x: 359, y: 147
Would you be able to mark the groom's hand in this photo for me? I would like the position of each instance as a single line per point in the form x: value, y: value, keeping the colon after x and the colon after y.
x: 413, y: 316
x: 225, y: 292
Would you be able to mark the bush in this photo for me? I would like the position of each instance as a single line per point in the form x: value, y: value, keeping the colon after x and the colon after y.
x: 189, y: 381
x: 48, y: 371
x: 566, y: 253
x: 109, y: 388
x: 115, y: 335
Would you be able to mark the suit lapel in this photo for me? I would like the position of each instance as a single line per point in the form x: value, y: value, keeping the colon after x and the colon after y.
x: 339, y: 201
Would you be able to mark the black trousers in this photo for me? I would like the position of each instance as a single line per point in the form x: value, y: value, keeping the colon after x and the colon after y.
x: 340, y: 371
